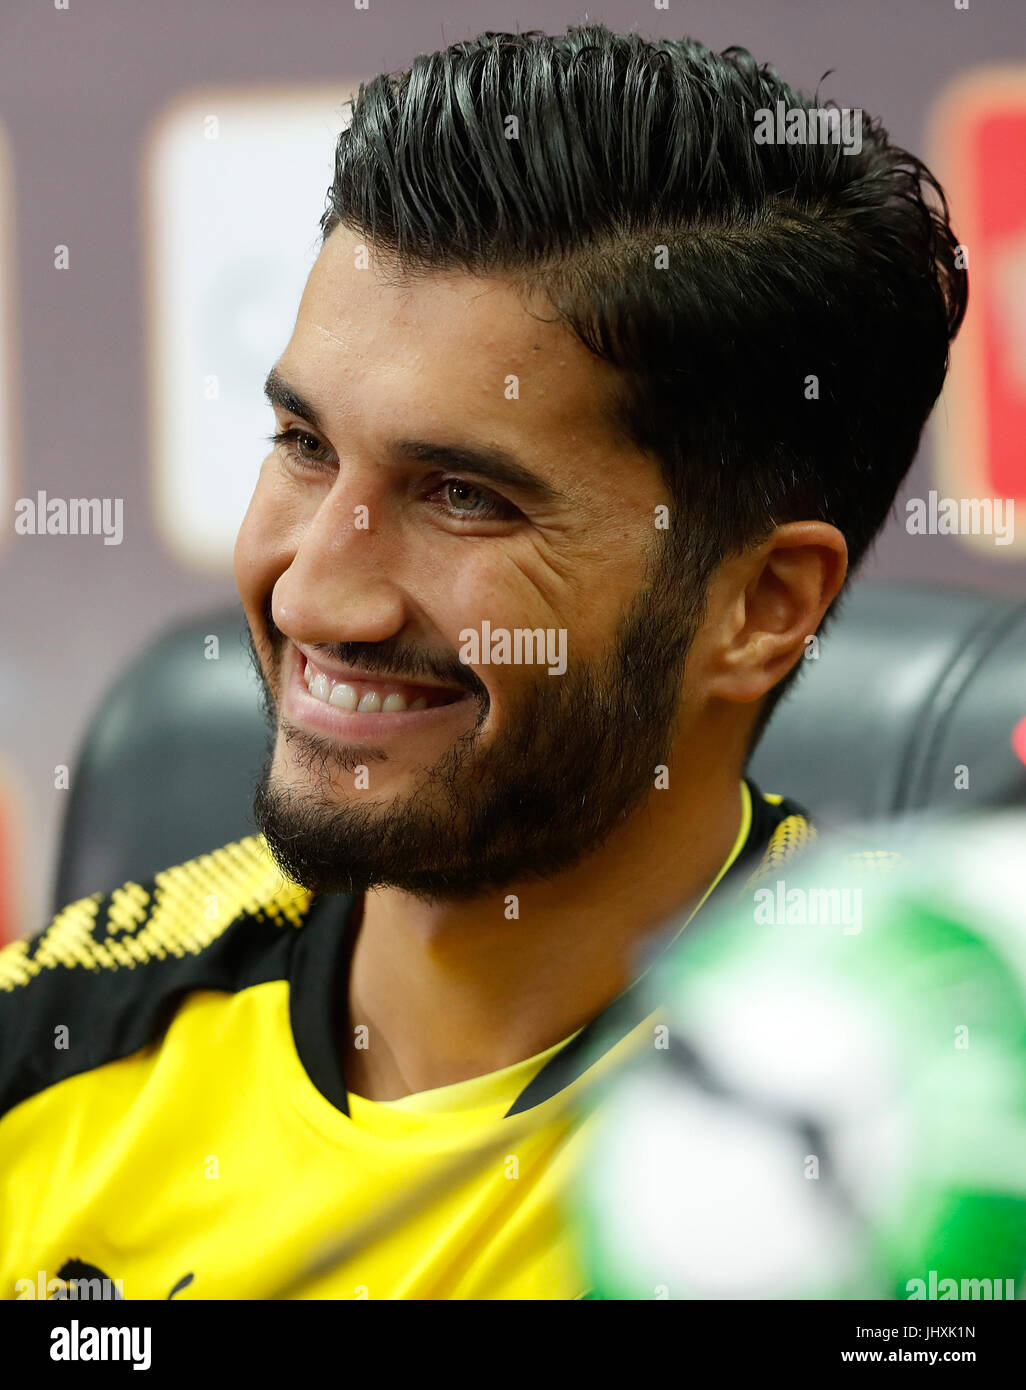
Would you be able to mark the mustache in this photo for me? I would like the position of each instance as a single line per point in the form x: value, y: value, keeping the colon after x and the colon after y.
x: 393, y: 657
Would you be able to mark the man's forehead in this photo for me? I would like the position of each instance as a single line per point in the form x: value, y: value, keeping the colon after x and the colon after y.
x: 448, y: 339
x: 355, y: 296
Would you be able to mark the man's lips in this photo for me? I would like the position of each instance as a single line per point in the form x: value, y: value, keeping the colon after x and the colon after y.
x: 348, y: 687
x: 351, y: 704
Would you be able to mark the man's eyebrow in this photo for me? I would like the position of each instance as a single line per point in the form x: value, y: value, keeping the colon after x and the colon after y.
x: 487, y: 461
x: 287, y: 398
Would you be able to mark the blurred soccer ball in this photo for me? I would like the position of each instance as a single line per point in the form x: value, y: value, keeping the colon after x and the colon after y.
x: 837, y: 1108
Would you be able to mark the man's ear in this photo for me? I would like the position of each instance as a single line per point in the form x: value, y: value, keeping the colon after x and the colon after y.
x: 764, y: 603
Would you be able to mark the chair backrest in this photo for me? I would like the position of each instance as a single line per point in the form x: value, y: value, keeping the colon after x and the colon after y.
x: 168, y: 765
x: 910, y: 686
x: 911, y: 706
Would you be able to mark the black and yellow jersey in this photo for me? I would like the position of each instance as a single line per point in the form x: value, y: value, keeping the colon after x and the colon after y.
x: 174, y: 1117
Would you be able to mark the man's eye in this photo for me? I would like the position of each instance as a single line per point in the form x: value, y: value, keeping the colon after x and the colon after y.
x: 294, y: 442
x: 474, y: 503
x: 461, y: 499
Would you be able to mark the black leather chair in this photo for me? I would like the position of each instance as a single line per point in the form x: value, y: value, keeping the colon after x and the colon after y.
x: 168, y: 766
x: 910, y: 684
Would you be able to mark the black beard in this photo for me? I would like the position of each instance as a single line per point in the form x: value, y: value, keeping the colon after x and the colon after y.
x: 576, y: 758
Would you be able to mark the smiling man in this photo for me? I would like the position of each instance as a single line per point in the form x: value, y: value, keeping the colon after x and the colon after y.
x: 582, y: 368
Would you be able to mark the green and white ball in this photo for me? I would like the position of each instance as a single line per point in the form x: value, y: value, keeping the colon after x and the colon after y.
x: 837, y: 1108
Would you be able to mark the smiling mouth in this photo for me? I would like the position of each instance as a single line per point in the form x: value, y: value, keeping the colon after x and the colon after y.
x: 381, y: 696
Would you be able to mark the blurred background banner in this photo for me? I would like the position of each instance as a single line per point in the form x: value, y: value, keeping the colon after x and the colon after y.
x: 8, y: 389
x: 235, y: 184
x: 979, y: 153
x: 162, y: 174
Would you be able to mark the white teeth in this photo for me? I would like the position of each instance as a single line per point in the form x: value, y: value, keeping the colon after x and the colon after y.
x: 343, y: 696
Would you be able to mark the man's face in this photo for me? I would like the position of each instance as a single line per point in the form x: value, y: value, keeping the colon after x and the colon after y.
x: 370, y: 554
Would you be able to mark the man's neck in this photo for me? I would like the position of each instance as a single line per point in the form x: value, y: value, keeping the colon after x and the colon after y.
x: 449, y: 991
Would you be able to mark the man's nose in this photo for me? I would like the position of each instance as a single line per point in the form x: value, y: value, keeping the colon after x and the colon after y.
x: 344, y: 583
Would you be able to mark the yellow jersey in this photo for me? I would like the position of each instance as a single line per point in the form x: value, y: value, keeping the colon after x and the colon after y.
x: 174, y: 1119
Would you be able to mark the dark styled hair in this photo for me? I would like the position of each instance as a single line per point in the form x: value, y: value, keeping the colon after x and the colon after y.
x: 564, y: 163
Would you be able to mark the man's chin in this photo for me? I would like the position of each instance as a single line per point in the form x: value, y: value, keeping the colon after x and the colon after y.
x: 338, y: 838
x: 411, y: 845
x: 309, y: 844
x: 345, y: 788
